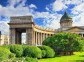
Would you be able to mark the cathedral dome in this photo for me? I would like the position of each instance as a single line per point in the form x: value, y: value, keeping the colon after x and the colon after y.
x: 65, y: 17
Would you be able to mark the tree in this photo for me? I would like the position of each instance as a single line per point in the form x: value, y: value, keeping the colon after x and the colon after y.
x: 64, y: 43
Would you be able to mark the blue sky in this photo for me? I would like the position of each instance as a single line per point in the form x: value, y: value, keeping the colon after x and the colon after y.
x: 46, y: 13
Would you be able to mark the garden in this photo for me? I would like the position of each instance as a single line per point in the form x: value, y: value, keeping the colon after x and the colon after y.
x: 61, y: 47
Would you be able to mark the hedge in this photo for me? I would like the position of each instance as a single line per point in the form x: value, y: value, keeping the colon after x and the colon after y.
x: 47, y: 52
x: 4, y: 53
x: 17, y: 50
x: 32, y: 51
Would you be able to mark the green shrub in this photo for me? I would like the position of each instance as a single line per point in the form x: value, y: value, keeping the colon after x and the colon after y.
x: 12, y: 55
x: 24, y: 46
x: 4, y: 53
x: 18, y: 60
x: 6, y: 46
x: 28, y: 59
x: 17, y: 50
x: 47, y: 51
x: 64, y: 43
x: 32, y: 51
x: 43, y: 53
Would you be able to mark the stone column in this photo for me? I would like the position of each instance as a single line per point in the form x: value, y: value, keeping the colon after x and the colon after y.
x: 33, y: 37
x: 46, y: 35
x: 29, y: 36
x: 12, y: 36
x: 41, y: 39
x: 36, y: 38
x: 82, y: 35
x: 49, y: 35
x: 43, y: 36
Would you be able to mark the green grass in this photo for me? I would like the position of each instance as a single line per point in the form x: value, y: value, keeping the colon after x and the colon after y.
x: 77, y: 56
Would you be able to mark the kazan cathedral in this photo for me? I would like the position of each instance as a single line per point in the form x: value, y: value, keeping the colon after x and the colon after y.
x: 66, y: 25
x: 36, y: 34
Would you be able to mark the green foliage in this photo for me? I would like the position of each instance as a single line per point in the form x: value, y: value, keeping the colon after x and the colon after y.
x: 17, y: 50
x: 28, y: 59
x: 47, y: 51
x: 32, y: 51
x: 64, y: 42
x: 43, y: 53
x: 4, y: 53
x: 12, y: 55
x: 6, y: 46
x: 82, y: 44
x: 18, y: 60
x: 24, y: 46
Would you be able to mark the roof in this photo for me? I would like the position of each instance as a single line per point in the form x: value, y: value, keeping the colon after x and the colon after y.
x: 80, y: 27
x: 65, y: 17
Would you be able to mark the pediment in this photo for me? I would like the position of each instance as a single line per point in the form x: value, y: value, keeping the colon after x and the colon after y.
x: 75, y: 29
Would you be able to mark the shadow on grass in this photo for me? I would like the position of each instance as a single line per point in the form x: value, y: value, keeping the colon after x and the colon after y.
x: 81, y: 55
x: 78, y: 61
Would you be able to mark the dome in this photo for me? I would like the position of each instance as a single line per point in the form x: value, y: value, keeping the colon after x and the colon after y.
x: 65, y: 17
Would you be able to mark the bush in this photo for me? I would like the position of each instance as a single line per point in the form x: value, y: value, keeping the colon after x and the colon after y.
x: 28, y: 59
x: 18, y: 60
x: 64, y: 43
x: 32, y: 51
x: 12, y: 55
x: 4, y: 53
x: 24, y: 46
x: 17, y: 50
x: 6, y: 46
x: 47, y: 52
x: 43, y: 53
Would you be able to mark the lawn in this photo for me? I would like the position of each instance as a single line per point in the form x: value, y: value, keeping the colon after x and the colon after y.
x: 77, y: 56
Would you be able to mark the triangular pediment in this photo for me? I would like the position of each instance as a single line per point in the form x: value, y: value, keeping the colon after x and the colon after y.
x: 75, y: 29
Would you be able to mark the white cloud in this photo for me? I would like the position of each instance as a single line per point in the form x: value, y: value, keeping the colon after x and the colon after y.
x: 63, y: 4
x: 41, y: 14
x: 79, y: 15
x: 58, y: 5
x: 14, y: 2
x: 78, y: 9
x: 10, y: 10
x: 4, y: 27
x: 53, y: 21
x: 50, y: 20
x: 32, y: 6
x: 75, y: 2
x: 78, y: 20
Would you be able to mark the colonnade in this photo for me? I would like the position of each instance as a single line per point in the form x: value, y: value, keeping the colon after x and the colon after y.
x: 32, y: 37
x: 39, y: 37
x: 81, y: 34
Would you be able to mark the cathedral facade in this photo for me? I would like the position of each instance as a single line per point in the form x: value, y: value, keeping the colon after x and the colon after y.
x: 36, y: 34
